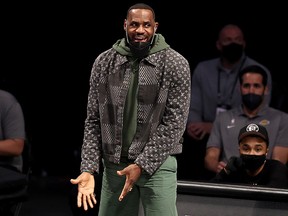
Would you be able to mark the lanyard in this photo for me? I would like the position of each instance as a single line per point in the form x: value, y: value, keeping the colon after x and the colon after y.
x: 220, y: 103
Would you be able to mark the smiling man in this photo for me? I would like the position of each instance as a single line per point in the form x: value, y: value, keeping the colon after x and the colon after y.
x: 137, y: 110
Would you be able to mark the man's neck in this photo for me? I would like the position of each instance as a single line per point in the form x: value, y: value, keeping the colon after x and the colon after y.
x: 251, y: 113
x: 228, y: 65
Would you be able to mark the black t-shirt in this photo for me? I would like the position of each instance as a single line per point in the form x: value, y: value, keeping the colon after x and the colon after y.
x: 274, y: 174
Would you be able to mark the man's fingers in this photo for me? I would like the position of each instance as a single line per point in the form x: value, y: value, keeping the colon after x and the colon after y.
x: 79, y: 199
x: 74, y: 181
x: 93, y: 198
x: 120, y: 173
x: 84, y: 201
x: 125, y: 191
x: 90, y: 199
x: 123, y: 194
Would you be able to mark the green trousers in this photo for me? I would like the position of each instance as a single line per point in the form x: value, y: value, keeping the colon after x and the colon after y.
x: 157, y: 193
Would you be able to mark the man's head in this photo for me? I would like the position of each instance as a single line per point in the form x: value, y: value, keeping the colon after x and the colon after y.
x: 253, y: 86
x: 140, y: 27
x: 253, y: 146
x: 231, y: 43
x: 254, y: 130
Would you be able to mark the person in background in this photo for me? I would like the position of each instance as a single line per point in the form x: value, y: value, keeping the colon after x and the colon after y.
x: 215, y: 86
x: 12, y: 141
x: 252, y: 167
x: 12, y: 132
x: 221, y: 143
x: 214, y: 89
x: 137, y: 110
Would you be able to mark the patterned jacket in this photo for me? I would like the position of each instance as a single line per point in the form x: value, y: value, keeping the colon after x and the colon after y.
x: 162, y: 107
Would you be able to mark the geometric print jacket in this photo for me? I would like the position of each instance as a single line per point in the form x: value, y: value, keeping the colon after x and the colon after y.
x: 162, y: 109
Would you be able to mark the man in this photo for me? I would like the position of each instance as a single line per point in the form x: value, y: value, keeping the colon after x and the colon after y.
x: 215, y: 87
x: 137, y: 110
x: 221, y: 143
x: 12, y: 141
x: 252, y: 167
x: 12, y: 132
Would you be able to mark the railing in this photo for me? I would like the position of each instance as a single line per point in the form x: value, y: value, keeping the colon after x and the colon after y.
x: 232, y: 191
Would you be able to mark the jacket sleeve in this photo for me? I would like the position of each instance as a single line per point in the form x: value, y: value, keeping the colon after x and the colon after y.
x: 167, y: 138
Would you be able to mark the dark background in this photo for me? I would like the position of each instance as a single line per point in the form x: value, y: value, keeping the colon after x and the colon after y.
x: 48, y: 50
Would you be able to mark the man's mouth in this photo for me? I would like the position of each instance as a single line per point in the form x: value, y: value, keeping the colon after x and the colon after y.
x: 140, y: 40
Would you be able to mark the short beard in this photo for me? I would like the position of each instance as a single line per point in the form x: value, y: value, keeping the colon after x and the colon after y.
x: 139, y: 49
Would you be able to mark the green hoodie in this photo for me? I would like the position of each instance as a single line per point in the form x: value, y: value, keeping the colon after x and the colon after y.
x: 159, y: 44
x: 130, y: 114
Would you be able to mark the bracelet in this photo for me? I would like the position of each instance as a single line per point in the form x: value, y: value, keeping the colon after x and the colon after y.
x: 87, y: 172
x: 226, y: 171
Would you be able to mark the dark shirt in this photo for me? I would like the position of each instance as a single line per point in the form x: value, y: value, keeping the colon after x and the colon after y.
x: 274, y: 174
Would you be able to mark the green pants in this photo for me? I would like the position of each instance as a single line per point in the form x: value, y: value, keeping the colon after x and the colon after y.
x: 157, y: 192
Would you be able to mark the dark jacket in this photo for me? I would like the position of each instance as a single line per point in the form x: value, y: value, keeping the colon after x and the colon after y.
x: 162, y: 106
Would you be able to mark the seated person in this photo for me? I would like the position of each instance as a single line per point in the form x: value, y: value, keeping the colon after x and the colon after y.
x: 12, y: 139
x: 215, y: 85
x: 222, y: 145
x: 252, y: 167
x: 12, y: 132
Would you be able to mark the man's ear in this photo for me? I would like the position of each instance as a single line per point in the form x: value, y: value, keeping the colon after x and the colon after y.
x: 218, y: 45
x: 266, y: 90
x: 156, y: 26
x: 125, y: 25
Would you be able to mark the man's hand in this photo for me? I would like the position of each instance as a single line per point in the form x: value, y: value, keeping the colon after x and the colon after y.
x: 132, y: 173
x: 86, y: 185
x: 199, y: 130
x: 233, y: 165
x: 221, y: 165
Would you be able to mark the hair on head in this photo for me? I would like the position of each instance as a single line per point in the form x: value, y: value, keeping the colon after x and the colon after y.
x: 254, y: 69
x: 141, y: 6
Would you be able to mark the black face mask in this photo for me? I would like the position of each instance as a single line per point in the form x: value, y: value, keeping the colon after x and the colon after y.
x: 232, y: 52
x: 252, y: 162
x: 252, y: 101
x: 139, y: 49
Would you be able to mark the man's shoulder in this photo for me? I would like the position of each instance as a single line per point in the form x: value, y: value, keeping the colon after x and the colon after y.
x: 7, y: 99
x: 251, y: 61
x: 174, y: 53
x: 110, y: 55
x: 274, y: 162
x: 106, y: 53
x: 209, y: 65
x: 6, y: 95
x: 208, y: 62
x: 231, y: 112
x: 278, y: 112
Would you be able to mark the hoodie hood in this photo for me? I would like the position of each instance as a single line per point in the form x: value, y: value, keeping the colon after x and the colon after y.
x: 159, y: 44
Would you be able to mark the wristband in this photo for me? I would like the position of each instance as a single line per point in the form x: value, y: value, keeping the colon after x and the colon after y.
x: 88, y: 172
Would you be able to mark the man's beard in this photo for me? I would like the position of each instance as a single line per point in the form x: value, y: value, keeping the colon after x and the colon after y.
x: 139, y: 49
